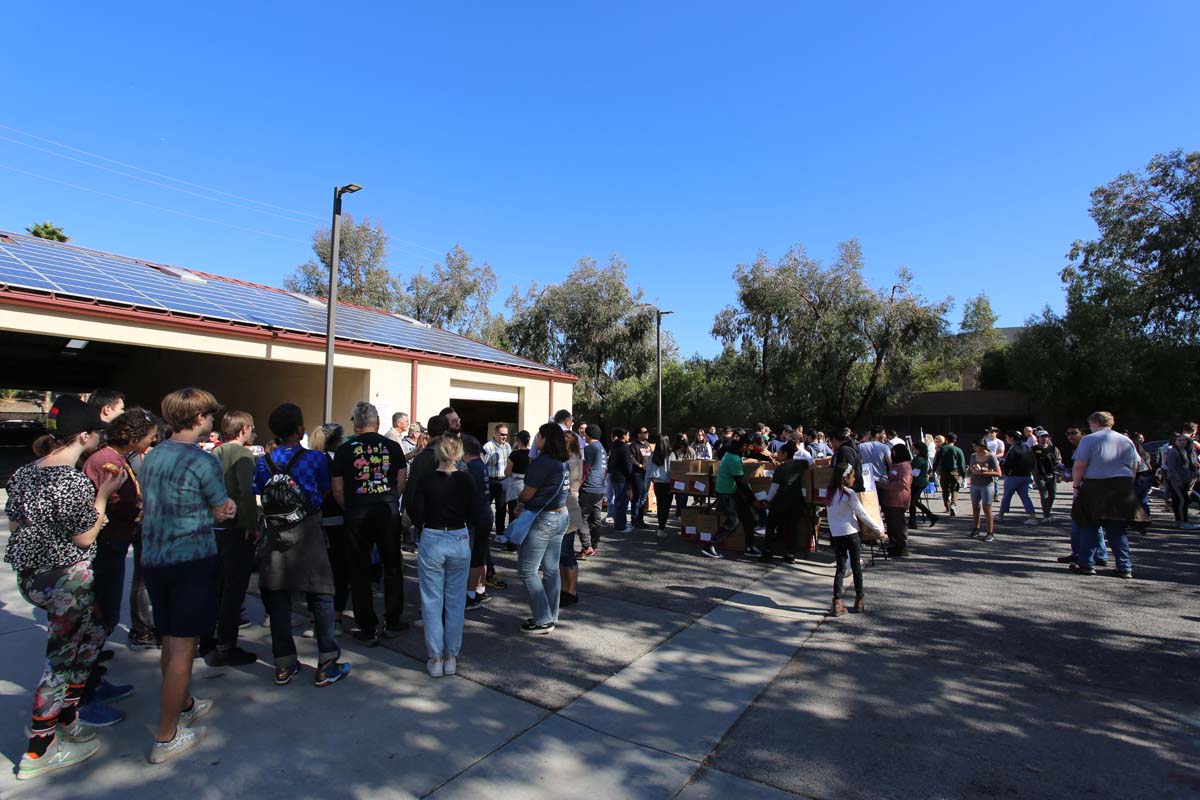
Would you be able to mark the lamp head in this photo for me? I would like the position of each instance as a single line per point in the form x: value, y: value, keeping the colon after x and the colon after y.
x: 349, y: 188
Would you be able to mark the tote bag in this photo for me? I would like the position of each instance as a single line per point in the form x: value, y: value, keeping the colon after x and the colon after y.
x: 519, y: 528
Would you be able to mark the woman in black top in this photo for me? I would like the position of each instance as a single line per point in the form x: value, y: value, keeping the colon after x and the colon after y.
x: 514, y: 474
x: 443, y: 504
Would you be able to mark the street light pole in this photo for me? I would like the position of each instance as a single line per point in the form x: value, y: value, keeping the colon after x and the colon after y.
x: 331, y: 320
x: 658, y: 315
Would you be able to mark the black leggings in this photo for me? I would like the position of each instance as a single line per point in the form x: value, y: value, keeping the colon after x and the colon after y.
x: 662, y: 494
x: 847, y: 548
x: 916, y: 504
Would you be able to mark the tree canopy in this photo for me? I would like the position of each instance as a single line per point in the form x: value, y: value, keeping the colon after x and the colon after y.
x: 47, y: 230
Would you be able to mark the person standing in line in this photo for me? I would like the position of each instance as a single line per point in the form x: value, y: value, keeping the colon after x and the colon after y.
x: 399, y: 430
x: 1180, y: 465
x: 183, y: 493
x: 547, y: 484
x: 108, y: 402
x: 56, y: 516
x: 236, y: 539
x: 591, y: 491
x: 1018, y: 475
x: 1047, y: 465
x: 658, y: 471
x: 876, y: 453
x: 141, y: 622
x: 293, y: 482
x: 327, y: 439
x: 514, y: 476
x: 682, y: 451
x: 950, y: 465
x: 983, y: 470
x: 620, y: 473
x: 920, y: 480
x: 1103, y: 472
x: 445, y: 505
x: 995, y: 446
x: 568, y: 560
x: 411, y: 443
x: 369, y: 476
x: 1144, y: 481
x: 642, y: 451
x: 733, y: 500
x: 130, y: 433
x: 495, y: 459
x: 844, y: 452
x: 481, y: 528
x: 847, y: 517
x: 895, y: 493
x: 786, y: 499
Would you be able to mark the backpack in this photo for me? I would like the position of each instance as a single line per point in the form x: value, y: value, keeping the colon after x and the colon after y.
x: 283, y: 503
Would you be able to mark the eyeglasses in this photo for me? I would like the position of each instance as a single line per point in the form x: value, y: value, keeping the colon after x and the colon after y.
x: 641, y: 432
x: 502, y: 435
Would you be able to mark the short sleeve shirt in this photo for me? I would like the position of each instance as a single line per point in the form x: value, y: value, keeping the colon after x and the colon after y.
x: 47, y: 507
x: 551, y: 479
x: 310, y: 472
x: 1108, y: 455
x: 728, y: 472
x: 369, y: 465
x: 181, y: 484
x: 596, y: 460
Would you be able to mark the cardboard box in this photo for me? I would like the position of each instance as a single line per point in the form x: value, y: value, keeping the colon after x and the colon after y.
x: 816, y: 485
x: 682, y: 467
x: 701, y: 485
x: 707, y: 523
x: 760, y: 486
x: 754, y: 469
x: 689, y: 522
x: 679, y: 483
x: 870, y: 501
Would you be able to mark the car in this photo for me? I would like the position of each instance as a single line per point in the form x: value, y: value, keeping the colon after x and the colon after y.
x: 1153, y: 449
x: 20, y: 432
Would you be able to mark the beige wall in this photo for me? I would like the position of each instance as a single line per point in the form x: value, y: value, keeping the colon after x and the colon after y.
x: 295, y: 373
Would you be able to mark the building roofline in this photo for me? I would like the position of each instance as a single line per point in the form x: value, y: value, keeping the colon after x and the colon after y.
x: 178, y: 319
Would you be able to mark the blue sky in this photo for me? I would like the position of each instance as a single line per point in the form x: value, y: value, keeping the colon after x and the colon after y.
x: 961, y: 140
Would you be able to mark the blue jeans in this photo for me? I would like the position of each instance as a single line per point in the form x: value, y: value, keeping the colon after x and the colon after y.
x: 1019, y: 486
x: 1142, y: 484
x: 638, y: 482
x: 1092, y: 543
x: 1099, y: 550
x: 283, y: 647
x: 542, y: 548
x: 620, y: 504
x: 443, y: 561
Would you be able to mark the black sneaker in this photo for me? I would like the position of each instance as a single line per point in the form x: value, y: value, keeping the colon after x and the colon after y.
x: 537, y: 630
x: 474, y: 603
x: 105, y: 655
x: 244, y: 621
x: 494, y: 581
x: 1101, y: 562
x: 710, y: 551
x: 1067, y: 559
x: 932, y: 521
x: 1078, y: 570
x: 147, y: 641
x: 788, y: 559
x: 953, y: 513
x: 284, y: 675
x: 974, y: 532
x: 566, y: 599
x: 396, y: 628
x: 368, y: 637
x: 233, y: 657
x: 766, y: 557
x: 991, y: 537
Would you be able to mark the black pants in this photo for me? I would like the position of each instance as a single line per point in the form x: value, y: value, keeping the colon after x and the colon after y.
x: 237, y: 561
x: 589, y: 506
x: 783, y: 523
x: 339, y: 563
x: 918, y: 503
x: 897, y: 528
x: 847, y: 548
x: 680, y: 503
x: 662, y: 494
x: 375, y: 524
x: 496, y: 496
x: 1048, y: 489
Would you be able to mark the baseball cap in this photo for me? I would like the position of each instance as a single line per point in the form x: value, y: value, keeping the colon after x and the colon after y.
x: 70, y: 416
x: 788, y: 428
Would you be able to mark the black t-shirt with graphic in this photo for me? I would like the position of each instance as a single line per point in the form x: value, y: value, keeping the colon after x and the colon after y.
x: 368, y: 464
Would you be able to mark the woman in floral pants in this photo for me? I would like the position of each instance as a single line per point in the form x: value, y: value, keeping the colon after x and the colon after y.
x: 56, y: 515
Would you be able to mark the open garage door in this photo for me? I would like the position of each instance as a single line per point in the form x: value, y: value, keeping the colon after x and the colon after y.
x: 482, y: 407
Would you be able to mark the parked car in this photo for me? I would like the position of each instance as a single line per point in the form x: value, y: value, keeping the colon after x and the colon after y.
x: 1153, y: 449
x: 20, y: 432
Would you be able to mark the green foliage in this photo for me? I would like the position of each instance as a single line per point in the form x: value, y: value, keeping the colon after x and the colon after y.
x: 592, y: 325
x: 454, y: 296
x: 47, y: 230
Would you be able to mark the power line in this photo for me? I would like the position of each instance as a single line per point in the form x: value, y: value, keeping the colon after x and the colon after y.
x: 154, y: 182
x: 159, y: 174
x: 151, y: 205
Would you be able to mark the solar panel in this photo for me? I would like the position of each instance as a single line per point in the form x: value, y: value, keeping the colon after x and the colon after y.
x: 41, y: 265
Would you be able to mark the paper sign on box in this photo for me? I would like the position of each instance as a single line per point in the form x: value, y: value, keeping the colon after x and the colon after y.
x: 706, y: 537
x: 679, y: 486
x: 690, y: 530
x: 700, y: 486
x: 762, y: 496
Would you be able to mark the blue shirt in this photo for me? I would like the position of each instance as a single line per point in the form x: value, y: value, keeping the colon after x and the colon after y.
x: 551, y: 479
x: 181, y: 485
x: 311, y: 473
x: 1108, y: 455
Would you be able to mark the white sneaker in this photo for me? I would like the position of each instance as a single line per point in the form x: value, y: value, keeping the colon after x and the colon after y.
x: 449, y: 666
x: 77, y: 731
x: 435, y: 667
x: 1031, y: 521
x: 59, y: 755
x: 662, y: 534
x: 1045, y: 521
x: 185, y: 739
x: 199, y: 709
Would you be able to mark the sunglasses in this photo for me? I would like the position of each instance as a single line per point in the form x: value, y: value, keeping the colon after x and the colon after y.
x: 502, y: 435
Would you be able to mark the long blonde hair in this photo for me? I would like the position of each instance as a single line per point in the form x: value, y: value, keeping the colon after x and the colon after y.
x: 448, y: 450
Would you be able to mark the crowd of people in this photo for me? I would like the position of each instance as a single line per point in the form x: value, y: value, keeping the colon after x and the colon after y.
x: 323, y: 513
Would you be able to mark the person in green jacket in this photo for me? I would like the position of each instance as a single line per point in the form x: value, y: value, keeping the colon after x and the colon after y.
x: 920, y: 480
x: 951, y: 467
x: 236, y: 540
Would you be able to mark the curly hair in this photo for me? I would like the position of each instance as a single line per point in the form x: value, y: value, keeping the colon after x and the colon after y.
x: 131, y: 426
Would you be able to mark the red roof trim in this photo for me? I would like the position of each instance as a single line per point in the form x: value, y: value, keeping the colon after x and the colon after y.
x: 95, y: 308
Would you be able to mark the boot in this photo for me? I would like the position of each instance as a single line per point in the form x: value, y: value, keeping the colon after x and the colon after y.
x: 838, y: 608
x: 860, y: 604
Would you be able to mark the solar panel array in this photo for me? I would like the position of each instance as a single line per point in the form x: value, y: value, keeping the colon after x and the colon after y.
x: 68, y: 271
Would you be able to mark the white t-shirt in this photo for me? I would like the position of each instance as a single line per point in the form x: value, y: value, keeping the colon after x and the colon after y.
x: 994, y: 446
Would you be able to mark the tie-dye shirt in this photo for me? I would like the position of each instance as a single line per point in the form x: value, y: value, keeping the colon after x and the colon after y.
x: 181, y: 485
